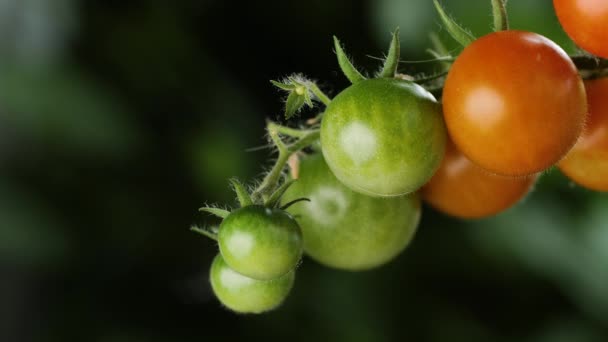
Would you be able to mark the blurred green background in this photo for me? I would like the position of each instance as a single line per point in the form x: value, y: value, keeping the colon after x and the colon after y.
x: 118, y: 119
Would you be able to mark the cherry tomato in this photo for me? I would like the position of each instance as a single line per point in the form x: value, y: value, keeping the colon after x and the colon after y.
x: 462, y: 189
x: 587, y: 162
x: 345, y: 229
x: 247, y: 295
x: 383, y: 137
x: 514, y: 103
x: 586, y: 22
x: 261, y: 243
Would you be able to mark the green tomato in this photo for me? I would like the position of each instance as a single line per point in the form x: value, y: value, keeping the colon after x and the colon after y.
x: 259, y: 242
x: 247, y: 295
x: 383, y: 137
x: 345, y: 229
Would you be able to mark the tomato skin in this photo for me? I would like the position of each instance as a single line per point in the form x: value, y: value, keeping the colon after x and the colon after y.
x: 247, y: 295
x: 345, y: 229
x: 587, y: 162
x: 383, y: 137
x: 462, y: 189
x: 514, y: 103
x: 586, y: 22
x: 259, y: 242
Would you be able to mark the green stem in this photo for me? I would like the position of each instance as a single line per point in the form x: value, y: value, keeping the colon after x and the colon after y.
x: 319, y: 94
x: 270, y: 182
x: 499, y: 12
x: 288, y: 131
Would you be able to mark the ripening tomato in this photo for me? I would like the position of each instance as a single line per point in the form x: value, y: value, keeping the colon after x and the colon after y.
x: 259, y: 242
x: 383, y: 137
x: 345, y: 229
x: 247, y: 295
x: 514, y: 103
x: 586, y: 22
x: 462, y: 189
x: 587, y: 162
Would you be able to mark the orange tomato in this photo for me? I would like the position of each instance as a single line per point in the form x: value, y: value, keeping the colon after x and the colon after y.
x: 587, y: 162
x: 514, y: 103
x: 586, y: 22
x: 462, y: 189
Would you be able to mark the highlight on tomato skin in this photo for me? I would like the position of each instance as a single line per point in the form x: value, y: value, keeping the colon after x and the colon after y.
x: 461, y: 189
x: 242, y: 294
x: 586, y: 23
x: 587, y: 163
x: 383, y: 137
x: 514, y: 103
x: 347, y: 230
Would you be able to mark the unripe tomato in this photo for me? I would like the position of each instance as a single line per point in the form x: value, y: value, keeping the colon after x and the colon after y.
x: 247, y: 295
x: 462, y: 189
x: 259, y: 242
x: 586, y: 22
x: 345, y: 229
x: 383, y: 137
x: 514, y: 103
x: 587, y: 162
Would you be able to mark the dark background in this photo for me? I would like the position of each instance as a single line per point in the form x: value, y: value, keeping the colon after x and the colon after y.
x: 118, y: 119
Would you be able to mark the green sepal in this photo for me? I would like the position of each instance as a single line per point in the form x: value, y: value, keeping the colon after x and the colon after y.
x: 276, y: 196
x: 346, y: 65
x: 241, y: 193
x: 392, y: 58
x: 289, y: 204
x: 210, y: 232
x: 294, y: 103
x: 283, y: 86
x: 459, y: 34
x: 222, y: 213
x: 499, y: 13
x: 300, y: 93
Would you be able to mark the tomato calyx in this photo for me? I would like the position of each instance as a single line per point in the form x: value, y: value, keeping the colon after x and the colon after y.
x: 301, y: 91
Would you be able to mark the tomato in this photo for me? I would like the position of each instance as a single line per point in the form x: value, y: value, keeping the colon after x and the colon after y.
x: 383, y: 137
x: 345, y: 229
x: 247, y: 295
x: 587, y: 162
x: 462, y: 189
x: 586, y: 22
x: 261, y: 243
x: 514, y: 103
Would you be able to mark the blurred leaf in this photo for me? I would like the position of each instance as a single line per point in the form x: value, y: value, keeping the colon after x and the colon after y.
x: 30, y: 235
x: 61, y: 108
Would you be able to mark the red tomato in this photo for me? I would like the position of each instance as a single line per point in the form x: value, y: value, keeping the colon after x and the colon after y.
x: 514, y: 103
x: 587, y: 162
x: 462, y: 189
x: 586, y: 22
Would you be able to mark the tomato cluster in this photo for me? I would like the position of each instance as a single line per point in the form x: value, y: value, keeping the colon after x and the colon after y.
x: 259, y: 250
x: 513, y: 105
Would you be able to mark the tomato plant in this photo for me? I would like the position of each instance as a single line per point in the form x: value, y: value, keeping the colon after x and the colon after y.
x: 514, y: 103
x: 259, y: 242
x: 247, y: 295
x: 587, y: 162
x: 383, y: 137
x: 462, y: 189
x: 345, y: 229
x: 586, y: 22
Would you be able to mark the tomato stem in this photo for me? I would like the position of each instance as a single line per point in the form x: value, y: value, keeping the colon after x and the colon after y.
x: 206, y: 232
x: 305, y: 138
x: 499, y: 12
x: 321, y: 96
